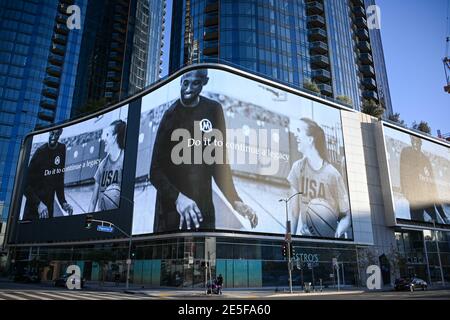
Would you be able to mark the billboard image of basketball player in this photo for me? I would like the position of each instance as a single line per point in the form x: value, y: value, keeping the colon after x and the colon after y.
x: 46, y: 179
x: 81, y: 164
x: 322, y: 209
x: 420, y: 177
x: 108, y: 178
x: 184, y: 197
x: 265, y: 159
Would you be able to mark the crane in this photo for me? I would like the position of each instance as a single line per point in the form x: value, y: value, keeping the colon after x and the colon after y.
x: 446, y: 59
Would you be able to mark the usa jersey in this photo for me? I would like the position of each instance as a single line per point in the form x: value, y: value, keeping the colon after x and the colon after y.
x: 325, y: 183
x: 109, y: 172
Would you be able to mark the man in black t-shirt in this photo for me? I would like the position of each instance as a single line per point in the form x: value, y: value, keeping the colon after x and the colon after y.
x: 45, y: 179
x: 418, y: 183
x: 184, y: 191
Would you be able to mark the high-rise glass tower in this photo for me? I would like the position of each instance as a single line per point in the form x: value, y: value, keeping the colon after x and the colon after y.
x: 49, y: 72
x: 300, y: 43
x: 38, y: 61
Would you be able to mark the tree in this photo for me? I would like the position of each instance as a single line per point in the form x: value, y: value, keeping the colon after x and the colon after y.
x: 422, y: 126
x: 311, y: 86
x: 373, y: 109
x: 396, y: 118
x: 345, y: 100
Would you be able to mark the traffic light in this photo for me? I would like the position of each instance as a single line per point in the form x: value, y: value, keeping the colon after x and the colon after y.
x: 89, y: 218
x: 284, y: 249
x: 292, y: 251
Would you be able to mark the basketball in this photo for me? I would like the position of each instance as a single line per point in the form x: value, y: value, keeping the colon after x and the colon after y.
x: 110, y: 198
x: 321, y: 219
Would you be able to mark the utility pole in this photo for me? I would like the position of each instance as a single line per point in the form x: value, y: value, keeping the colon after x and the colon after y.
x: 288, y: 238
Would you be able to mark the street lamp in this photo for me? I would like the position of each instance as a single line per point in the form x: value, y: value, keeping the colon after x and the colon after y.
x: 289, y: 237
x: 129, y: 236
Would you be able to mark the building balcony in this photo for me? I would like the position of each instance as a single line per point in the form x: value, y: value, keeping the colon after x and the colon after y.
x: 58, y: 49
x: 321, y: 75
x: 116, y: 56
x: 362, y: 35
x: 120, y: 19
x: 49, y: 104
x: 317, y: 34
x: 59, y: 39
x: 318, y: 47
x: 61, y: 28
x: 112, y: 86
x: 314, y: 7
x: 50, y: 92
x: 366, y: 58
x: 320, y: 61
x: 358, y: 2
x: 364, y: 46
x: 117, y: 47
x: 47, y: 115
x: 212, y: 7
x: 212, y: 20
x: 118, y: 37
x: 61, y: 18
x: 315, y: 21
x: 54, y: 71
x: 113, y: 75
x: 119, y: 27
x: 359, y: 12
x: 361, y: 22
x: 114, y: 65
x: 56, y: 60
x: 325, y: 89
x: 369, y: 83
x: 52, y: 81
x: 210, y: 51
x: 214, y: 35
x: 370, y: 95
x: 367, y: 71
x: 62, y: 8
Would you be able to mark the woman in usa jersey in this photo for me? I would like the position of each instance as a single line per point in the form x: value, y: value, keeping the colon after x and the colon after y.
x: 322, y: 209
x: 109, y: 172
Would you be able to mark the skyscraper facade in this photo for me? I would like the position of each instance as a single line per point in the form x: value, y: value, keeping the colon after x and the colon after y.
x: 38, y: 61
x: 324, y: 44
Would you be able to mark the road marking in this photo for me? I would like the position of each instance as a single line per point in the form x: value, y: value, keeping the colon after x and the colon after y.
x: 78, y: 296
x: 33, y: 296
x: 12, y: 297
x: 58, y: 296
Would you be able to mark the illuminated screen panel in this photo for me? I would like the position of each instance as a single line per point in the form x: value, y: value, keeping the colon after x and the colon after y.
x: 217, y: 151
x: 77, y: 169
x: 420, y: 177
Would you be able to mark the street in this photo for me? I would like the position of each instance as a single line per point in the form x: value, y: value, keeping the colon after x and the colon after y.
x: 21, y: 291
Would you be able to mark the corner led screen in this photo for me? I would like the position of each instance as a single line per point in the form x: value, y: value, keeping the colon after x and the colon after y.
x: 76, y: 169
x: 420, y: 177
x: 217, y: 151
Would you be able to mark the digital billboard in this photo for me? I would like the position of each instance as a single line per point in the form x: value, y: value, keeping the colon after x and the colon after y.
x: 217, y: 151
x: 420, y: 177
x: 76, y: 169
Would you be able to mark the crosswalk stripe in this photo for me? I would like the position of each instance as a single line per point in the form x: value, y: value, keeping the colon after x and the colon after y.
x: 113, y: 296
x: 33, y: 296
x: 78, y: 296
x: 13, y: 297
x: 56, y: 296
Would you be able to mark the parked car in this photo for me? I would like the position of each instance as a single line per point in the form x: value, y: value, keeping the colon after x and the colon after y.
x: 411, y: 284
x: 61, y: 281
x: 27, y: 277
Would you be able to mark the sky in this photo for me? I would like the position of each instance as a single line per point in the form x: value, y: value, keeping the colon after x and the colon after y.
x: 413, y: 34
